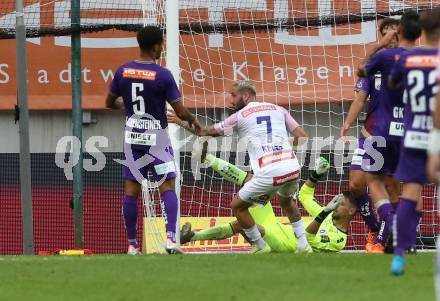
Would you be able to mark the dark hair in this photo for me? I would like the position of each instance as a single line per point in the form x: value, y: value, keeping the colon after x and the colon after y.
x: 410, y: 26
x: 149, y: 36
x: 430, y: 23
x: 387, y: 22
x: 350, y: 196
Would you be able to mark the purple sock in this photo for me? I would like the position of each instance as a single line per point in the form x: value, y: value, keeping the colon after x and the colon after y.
x: 365, y: 208
x: 404, y: 228
x: 386, y: 214
x: 416, y: 220
x: 170, y: 201
x: 130, y: 212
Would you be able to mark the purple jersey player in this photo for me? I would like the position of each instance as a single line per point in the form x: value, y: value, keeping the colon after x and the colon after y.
x: 367, y: 88
x: 145, y: 89
x: 382, y: 144
x: 415, y: 71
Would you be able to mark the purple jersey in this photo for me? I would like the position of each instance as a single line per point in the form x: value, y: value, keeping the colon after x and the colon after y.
x: 416, y: 71
x: 145, y: 88
x: 371, y: 86
x: 389, y: 114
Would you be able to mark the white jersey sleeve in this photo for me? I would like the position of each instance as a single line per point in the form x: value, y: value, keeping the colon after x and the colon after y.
x: 226, y: 127
x: 291, y: 123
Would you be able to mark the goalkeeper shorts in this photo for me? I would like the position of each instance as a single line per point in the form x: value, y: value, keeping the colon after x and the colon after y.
x: 280, y: 238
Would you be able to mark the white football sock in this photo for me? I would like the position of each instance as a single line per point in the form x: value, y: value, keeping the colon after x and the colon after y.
x: 255, y: 236
x: 300, y: 233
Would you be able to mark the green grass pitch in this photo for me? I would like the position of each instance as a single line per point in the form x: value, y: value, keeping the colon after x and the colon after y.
x: 316, y: 277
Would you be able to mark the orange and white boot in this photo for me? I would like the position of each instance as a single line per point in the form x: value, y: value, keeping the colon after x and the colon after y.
x: 371, y: 240
x: 376, y: 249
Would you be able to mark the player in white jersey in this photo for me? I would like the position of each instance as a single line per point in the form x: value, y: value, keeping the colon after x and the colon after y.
x: 273, y: 161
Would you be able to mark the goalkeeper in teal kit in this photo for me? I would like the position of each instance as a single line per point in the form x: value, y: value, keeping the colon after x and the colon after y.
x: 326, y: 229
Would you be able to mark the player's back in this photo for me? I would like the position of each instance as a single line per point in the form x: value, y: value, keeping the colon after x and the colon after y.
x: 420, y: 84
x: 370, y: 85
x: 145, y: 88
x: 264, y: 125
x: 388, y: 119
x: 417, y: 71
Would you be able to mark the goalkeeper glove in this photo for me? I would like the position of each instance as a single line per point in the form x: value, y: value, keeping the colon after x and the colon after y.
x: 321, y: 168
x: 334, y: 203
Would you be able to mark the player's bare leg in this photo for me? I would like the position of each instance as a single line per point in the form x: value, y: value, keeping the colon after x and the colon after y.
x: 364, y: 204
x: 321, y: 168
x: 291, y: 209
x: 240, y: 209
x: 130, y: 213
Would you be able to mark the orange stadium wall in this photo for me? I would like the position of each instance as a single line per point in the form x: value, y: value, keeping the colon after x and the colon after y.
x: 305, y: 75
x: 289, y: 68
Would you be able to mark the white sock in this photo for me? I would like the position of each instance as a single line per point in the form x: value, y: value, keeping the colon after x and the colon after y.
x: 300, y: 233
x: 255, y: 236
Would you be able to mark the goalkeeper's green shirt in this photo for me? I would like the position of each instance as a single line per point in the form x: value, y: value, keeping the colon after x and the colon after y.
x: 280, y: 236
x: 328, y: 238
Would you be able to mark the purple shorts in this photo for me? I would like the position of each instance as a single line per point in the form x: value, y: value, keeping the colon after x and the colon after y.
x: 412, y: 167
x: 139, y: 161
x: 381, y: 160
x: 356, y: 161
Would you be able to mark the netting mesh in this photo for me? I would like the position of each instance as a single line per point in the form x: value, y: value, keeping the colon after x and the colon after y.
x: 52, y: 17
x: 301, y: 54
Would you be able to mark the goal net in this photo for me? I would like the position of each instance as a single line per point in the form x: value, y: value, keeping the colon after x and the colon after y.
x: 300, y: 54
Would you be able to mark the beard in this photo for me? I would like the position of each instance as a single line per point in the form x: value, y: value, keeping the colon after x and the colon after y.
x: 240, y: 104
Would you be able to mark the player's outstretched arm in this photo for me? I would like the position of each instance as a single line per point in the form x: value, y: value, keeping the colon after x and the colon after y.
x: 172, y: 117
x: 223, y: 128
x: 356, y: 107
x: 313, y: 227
x: 306, y: 195
x: 299, y: 134
x: 387, y: 39
x: 184, y: 114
